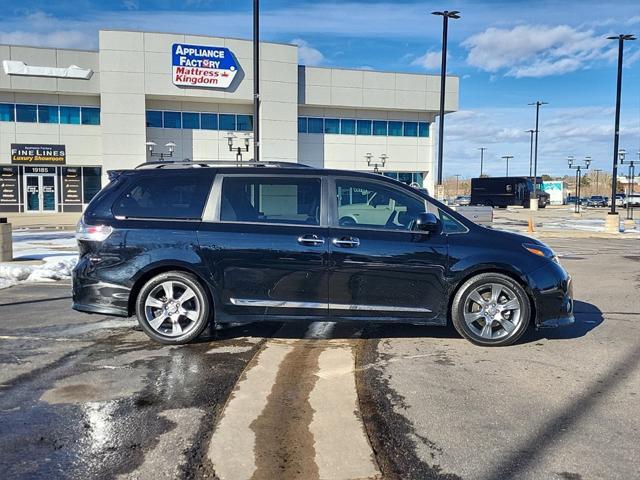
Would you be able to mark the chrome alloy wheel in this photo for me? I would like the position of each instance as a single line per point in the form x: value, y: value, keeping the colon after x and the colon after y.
x: 172, y: 308
x: 492, y: 311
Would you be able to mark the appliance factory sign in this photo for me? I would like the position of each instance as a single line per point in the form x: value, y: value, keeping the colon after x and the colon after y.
x: 28, y: 154
x: 202, y: 66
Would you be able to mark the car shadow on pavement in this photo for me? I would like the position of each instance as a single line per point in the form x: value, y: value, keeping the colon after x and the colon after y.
x: 587, y: 317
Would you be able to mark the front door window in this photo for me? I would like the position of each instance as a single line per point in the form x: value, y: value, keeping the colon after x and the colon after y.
x: 40, y: 191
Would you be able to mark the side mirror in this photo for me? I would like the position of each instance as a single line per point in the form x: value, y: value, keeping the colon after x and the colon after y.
x: 426, y: 222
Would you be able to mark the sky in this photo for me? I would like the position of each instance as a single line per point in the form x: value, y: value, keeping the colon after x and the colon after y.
x: 506, y: 53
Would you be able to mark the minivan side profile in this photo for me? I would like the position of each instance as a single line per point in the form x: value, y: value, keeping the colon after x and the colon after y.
x: 183, y: 244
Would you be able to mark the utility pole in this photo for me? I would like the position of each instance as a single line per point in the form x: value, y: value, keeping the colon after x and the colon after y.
x: 482, y: 149
x: 537, y: 103
x: 457, y: 175
x: 531, y: 155
x: 597, y: 170
x: 446, y: 15
x: 507, y: 158
x: 256, y: 80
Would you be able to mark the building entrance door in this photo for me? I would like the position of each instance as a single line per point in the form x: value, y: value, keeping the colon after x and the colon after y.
x: 40, y: 193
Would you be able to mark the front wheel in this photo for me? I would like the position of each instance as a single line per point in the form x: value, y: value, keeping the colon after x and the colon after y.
x: 491, y: 310
x: 173, y: 308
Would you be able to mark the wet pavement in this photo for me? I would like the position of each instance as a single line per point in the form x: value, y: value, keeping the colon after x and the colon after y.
x: 86, y: 396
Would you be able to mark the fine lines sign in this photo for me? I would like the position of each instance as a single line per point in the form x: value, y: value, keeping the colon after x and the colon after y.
x: 202, y: 66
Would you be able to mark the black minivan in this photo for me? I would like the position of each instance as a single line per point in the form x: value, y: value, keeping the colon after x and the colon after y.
x: 182, y: 244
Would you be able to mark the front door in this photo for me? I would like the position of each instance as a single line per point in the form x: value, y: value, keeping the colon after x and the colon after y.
x: 380, y: 268
x: 40, y: 192
x: 266, y: 246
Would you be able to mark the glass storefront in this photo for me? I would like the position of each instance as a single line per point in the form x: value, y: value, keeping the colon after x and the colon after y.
x: 47, y: 189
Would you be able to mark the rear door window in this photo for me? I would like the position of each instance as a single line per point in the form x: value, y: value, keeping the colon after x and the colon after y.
x: 173, y: 196
x: 283, y: 200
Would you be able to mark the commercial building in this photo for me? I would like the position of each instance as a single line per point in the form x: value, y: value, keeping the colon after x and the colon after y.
x: 69, y: 116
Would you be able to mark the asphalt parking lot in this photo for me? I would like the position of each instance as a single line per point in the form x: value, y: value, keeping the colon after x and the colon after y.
x: 89, y: 397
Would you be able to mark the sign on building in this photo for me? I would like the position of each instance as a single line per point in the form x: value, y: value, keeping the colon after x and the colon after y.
x: 555, y: 191
x: 28, y: 154
x: 202, y: 66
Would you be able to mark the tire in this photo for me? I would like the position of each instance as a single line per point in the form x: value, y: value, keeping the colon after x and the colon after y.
x: 506, y: 326
x: 173, y: 322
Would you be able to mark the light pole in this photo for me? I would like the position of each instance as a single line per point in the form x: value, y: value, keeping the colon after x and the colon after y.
x: 482, y: 149
x: 616, y: 131
x: 598, y: 170
x: 256, y: 80
x: 537, y: 103
x: 152, y: 145
x: 238, y: 149
x: 457, y: 175
x: 578, y: 169
x: 446, y: 15
x: 630, y: 178
x: 507, y: 158
x: 531, y: 155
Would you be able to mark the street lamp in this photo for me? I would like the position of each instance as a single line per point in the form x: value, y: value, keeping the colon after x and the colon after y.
x: 256, y: 80
x: 238, y: 149
x: 383, y: 161
x: 537, y: 103
x: 531, y: 154
x: 578, y: 169
x: 616, y: 132
x: 446, y: 15
x: 482, y: 149
x: 630, y: 178
x: 151, y: 146
x: 507, y: 158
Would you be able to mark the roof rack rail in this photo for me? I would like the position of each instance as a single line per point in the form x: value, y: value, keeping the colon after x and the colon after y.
x: 217, y: 163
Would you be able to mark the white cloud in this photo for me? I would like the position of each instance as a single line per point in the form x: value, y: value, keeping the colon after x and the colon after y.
x: 307, y: 55
x: 429, y: 61
x: 536, y: 50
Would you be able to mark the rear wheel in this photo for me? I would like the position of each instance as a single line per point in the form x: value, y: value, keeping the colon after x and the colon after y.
x: 173, y: 308
x: 491, y: 309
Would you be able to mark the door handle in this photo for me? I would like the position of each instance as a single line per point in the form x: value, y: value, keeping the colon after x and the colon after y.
x: 347, y: 242
x: 312, y: 240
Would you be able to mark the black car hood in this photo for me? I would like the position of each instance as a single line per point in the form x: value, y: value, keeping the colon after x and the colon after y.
x: 516, y: 238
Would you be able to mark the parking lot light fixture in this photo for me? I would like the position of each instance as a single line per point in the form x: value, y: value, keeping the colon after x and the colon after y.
x: 507, y: 158
x: 538, y: 104
x: 616, y: 131
x: 446, y: 15
x: 631, y: 181
x: 482, y: 149
x: 578, y: 168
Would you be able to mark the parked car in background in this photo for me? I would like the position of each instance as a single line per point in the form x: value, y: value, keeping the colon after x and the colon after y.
x: 185, y: 244
x: 596, y: 201
x: 572, y: 200
x: 620, y: 199
x: 463, y: 200
x: 632, y: 200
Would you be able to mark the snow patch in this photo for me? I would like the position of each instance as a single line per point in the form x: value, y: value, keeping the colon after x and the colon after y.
x: 54, y: 268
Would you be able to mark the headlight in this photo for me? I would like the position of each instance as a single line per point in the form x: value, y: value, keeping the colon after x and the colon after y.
x: 540, y: 250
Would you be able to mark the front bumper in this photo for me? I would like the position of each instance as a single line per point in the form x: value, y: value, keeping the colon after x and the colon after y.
x: 552, y: 292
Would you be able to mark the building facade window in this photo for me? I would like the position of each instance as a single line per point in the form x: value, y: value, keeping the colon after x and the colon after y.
x: 209, y: 121
x: 410, y: 178
x: 91, y: 182
x: 395, y: 129
x: 346, y: 126
x: 363, y: 127
x: 154, y: 119
x: 380, y: 127
x: 26, y: 113
x: 171, y: 120
x: 90, y: 115
x: 191, y: 120
x: 70, y: 115
x: 227, y: 122
x: 244, y: 123
x: 48, y: 114
x: 331, y: 125
x: 7, y: 112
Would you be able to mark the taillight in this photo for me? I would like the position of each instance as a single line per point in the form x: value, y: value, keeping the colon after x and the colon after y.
x: 92, y: 233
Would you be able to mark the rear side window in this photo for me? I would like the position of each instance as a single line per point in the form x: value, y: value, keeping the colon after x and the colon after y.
x: 293, y: 201
x: 173, y: 196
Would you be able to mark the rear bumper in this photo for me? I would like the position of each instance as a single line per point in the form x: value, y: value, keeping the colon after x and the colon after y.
x: 553, y: 296
x: 95, y: 296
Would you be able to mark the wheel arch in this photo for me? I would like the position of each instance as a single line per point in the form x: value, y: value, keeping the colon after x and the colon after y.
x: 514, y: 275
x: 158, y: 269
